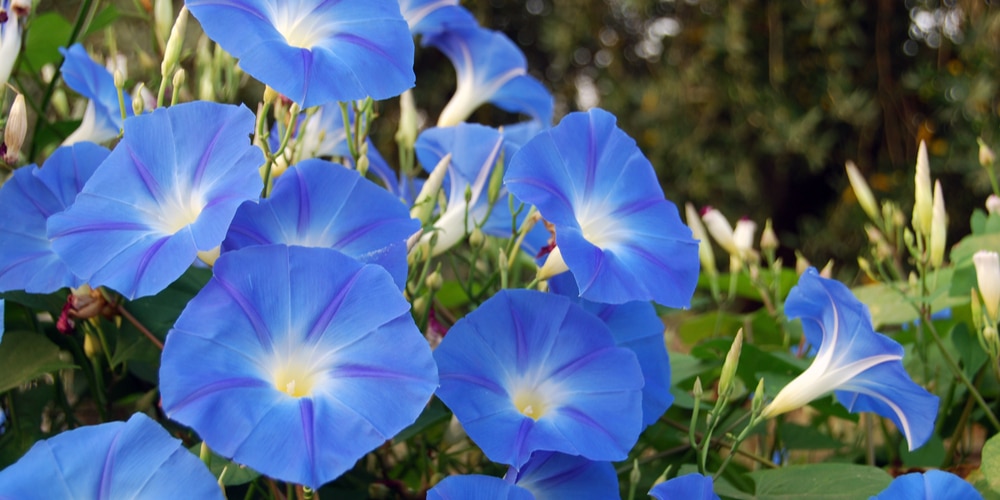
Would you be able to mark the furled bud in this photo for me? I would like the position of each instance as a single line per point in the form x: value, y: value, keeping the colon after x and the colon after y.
x: 705, y: 253
x: 758, y: 398
x: 423, y: 207
x: 801, y: 263
x: 730, y: 364
x: 922, y: 194
x: 163, y: 19
x: 743, y: 236
x: 16, y: 130
x: 138, y: 104
x: 986, y: 155
x: 720, y: 229
x: 768, y: 238
x: 988, y: 277
x: 862, y: 192
x: 406, y: 135
x: 172, y: 52
x: 939, y: 228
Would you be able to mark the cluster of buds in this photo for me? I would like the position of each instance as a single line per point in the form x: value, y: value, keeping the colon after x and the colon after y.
x: 925, y: 239
x: 81, y: 304
x: 986, y: 303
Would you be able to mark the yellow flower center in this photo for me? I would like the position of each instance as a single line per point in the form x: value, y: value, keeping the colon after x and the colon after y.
x: 530, y: 403
x: 295, y: 379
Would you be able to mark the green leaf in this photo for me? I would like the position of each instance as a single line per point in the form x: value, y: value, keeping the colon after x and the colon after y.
x: 235, y: 473
x: 103, y: 19
x: 26, y: 356
x: 434, y: 413
x: 159, y: 312
x: 971, y: 353
x: 991, y: 463
x: 931, y: 454
x: 698, y: 328
x: 830, y: 481
x: 46, y: 34
x: 800, y: 437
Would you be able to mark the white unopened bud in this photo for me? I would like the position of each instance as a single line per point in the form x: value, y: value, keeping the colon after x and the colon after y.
x: 743, y: 236
x: 861, y: 191
x: 988, y: 277
x: 730, y: 364
x: 172, y: 52
x: 801, y: 263
x: 939, y: 228
x: 705, y: 253
x: 720, y: 229
x: 922, y: 194
x: 993, y: 204
x: 423, y: 207
x: 163, y: 20
x: 407, y: 132
x: 16, y: 130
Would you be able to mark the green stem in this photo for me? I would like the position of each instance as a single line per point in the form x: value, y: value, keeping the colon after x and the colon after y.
x: 957, y: 370
x: 86, y: 12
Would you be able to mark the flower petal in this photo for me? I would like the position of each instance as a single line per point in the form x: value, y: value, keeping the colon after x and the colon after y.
x: 168, y: 190
x: 134, y: 459
x: 95, y: 83
x: 477, y: 487
x: 692, y: 486
x: 284, y: 340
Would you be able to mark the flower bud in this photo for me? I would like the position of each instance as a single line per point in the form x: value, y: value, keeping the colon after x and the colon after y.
x: 91, y: 346
x: 434, y: 281
x: 827, y: 271
x: 976, y: 308
x: 705, y: 253
x: 720, y: 229
x: 861, y: 191
x: 697, y: 390
x: 988, y: 277
x: 476, y: 238
x: 138, y: 104
x: 423, y: 207
x: 866, y: 267
x: 986, y: 156
x: 163, y: 19
x: 801, y: 263
x: 743, y: 236
x: 768, y: 238
x: 758, y: 398
x: 993, y: 204
x: 172, y: 52
x: 922, y: 195
x: 939, y: 228
x: 730, y: 364
x: 16, y: 130
x: 496, y: 181
x: 406, y: 135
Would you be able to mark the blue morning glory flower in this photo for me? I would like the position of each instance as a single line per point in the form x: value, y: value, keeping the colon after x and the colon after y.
x: 134, y: 459
x: 550, y: 475
x: 315, y: 204
x: 692, y: 486
x: 313, y: 51
x: 102, y: 119
x: 490, y: 69
x: 529, y: 371
x: 936, y: 484
x: 167, y: 191
x: 428, y: 16
x: 477, y: 487
x: 635, y: 326
x: 296, y: 362
x: 615, y: 232
x: 29, y: 198
x: 862, y: 366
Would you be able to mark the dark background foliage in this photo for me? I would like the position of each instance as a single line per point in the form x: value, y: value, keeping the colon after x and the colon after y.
x: 753, y: 106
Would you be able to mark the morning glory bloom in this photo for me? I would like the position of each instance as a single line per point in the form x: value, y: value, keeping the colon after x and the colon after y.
x: 553, y: 476
x: 29, y: 198
x: 863, y: 367
x: 315, y: 204
x: 102, y: 120
x: 615, y: 232
x: 490, y: 69
x: 635, y: 326
x: 529, y: 371
x: 313, y: 51
x: 134, y: 459
x: 477, y: 487
x: 692, y: 486
x: 10, y: 35
x: 296, y: 362
x: 427, y: 16
x: 936, y: 484
x: 167, y: 191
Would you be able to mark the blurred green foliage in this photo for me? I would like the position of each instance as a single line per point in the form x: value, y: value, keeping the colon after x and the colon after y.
x: 753, y: 106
